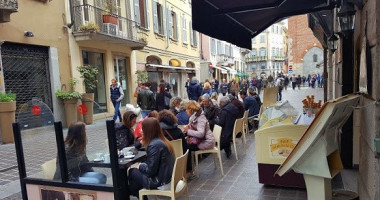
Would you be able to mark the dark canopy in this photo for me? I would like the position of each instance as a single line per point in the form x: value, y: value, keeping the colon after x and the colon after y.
x: 238, y: 21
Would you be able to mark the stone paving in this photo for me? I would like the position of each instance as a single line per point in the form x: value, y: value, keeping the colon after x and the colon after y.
x: 240, y: 180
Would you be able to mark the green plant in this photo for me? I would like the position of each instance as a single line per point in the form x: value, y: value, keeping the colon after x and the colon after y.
x: 88, y: 73
x: 67, y: 95
x: 142, y: 76
x: 90, y: 26
x: 110, y: 6
x: 72, y: 83
x: 7, y: 97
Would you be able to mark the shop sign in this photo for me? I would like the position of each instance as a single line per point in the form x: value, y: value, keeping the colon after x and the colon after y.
x: 281, y: 147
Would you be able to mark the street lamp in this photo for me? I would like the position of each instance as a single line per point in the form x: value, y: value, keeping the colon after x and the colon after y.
x: 332, y: 43
x: 346, y: 17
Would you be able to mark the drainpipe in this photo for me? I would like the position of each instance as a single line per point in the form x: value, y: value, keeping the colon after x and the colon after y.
x: 71, y: 14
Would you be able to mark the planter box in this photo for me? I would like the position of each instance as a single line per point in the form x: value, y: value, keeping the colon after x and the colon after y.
x: 88, y: 101
x: 70, y: 106
x: 112, y: 19
x: 7, y: 117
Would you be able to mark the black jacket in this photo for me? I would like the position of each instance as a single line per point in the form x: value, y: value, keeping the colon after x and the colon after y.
x: 172, y: 132
x: 145, y: 99
x: 124, y: 136
x: 76, y: 166
x: 211, y: 112
x: 227, y: 116
x: 158, y: 167
x: 160, y: 101
x: 251, y: 104
x: 194, y: 91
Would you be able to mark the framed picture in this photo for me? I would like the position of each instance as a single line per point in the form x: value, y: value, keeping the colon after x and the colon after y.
x: 66, y: 194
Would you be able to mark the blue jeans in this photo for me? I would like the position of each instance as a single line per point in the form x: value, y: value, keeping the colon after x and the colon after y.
x: 145, y: 113
x: 93, y: 177
x: 116, y: 105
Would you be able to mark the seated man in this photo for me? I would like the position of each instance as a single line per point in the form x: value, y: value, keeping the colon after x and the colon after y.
x: 250, y: 104
x: 227, y: 116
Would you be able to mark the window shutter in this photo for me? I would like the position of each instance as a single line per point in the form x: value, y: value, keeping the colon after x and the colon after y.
x: 191, y: 33
x: 155, y: 17
x: 147, y: 15
x: 184, y: 32
x: 137, y: 11
x: 164, y: 25
x: 196, y: 35
x: 170, y: 28
x: 176, y: 26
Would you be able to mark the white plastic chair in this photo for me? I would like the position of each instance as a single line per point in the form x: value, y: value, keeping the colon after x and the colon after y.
x: 177, y: 145
x: 48, y: 168
x: 245, y: 124
x: 178, y: 183
x: 216, y: 150
x: 238, y: 128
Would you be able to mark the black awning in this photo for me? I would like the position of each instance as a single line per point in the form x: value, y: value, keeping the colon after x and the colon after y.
x: 238, y: 21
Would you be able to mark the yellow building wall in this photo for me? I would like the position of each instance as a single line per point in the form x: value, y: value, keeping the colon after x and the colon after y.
x: 48, y: 26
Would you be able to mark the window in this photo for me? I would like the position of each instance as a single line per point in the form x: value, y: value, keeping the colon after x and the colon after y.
x: 277, y: 51
x: 141, y: 13
x: 213, y: 49
x: 227, y: 50
x: 254, y: 52
x: 193, y: 36
x: 262, y: 38
x: 281, y: 52
x: 263, y: 52
x: 315, y: 58
x: 276, y: 29
x: 184, y: 31
x: 158, y: 18
x: 219, y: 47
x: 254, y: 66
x: 273, y: 51
x: 272, y: 28
x: 263, y: 65
x: 173, y: 30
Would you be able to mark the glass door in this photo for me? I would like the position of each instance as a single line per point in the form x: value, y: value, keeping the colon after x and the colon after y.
x: 96, y: 60
x: 121, y: 75
x: 174, y: 83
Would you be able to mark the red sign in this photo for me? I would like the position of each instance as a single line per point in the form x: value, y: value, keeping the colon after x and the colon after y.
x: 82, y: 109
x: 290, y: 67
x: 36, y: 110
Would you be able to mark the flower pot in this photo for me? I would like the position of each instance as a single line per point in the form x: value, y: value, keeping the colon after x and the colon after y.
x: 112, y: 19
x: 7, y: 117
x: 88, y: 102
x: 70, y: 106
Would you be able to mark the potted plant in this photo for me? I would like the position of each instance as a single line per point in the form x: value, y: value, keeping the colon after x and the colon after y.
x: 142, y: 76
x: 88, y: 73
x: 109, y: 16
x: 70, y: 102
x: 89, y: 27
x: 7, y: 116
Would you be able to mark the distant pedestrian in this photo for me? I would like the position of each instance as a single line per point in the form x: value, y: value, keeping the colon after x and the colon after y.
x: 195, y: 90
x: 294, y: 81
x: 163, y: 98
x: 286, y: 82
x: 207, y: 89
x: 224, y: 87
x: 146, y: 101
x: 299, y: 82
x: 117, y: 95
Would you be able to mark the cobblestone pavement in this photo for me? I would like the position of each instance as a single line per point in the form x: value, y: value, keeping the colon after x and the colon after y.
x: 240, y: 180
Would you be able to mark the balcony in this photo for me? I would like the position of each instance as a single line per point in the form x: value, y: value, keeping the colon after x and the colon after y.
x: 255, y: 59
x: 7, y: 7
x: 278, y: 58
x: 224, y: 60
x: 90, y: 25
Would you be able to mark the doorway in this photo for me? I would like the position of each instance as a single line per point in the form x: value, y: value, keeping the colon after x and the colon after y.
x: 174, y: 80
x: 121, y: 75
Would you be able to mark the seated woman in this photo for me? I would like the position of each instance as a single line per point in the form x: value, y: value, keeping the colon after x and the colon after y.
x: 183, y: 118
x: 175, y: 105
x: 124, y: 131
x: 75, y: 148
x: 199, y: 129
x: 158, y: 167
x: 169, y: 126
x: 210, y: 110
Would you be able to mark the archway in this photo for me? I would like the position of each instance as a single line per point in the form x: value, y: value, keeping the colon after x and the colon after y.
x: 174, y: 62
x: 153, y: 60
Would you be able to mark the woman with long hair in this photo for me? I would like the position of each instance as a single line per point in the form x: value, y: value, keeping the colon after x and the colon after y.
x: 75, y: 148
x: 124, y: 131
x: 158, y: 167
x: 207, y: 89
x: 162, y: 98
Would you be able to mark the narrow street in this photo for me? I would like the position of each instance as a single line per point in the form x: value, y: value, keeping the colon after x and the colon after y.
x: 240, y: 180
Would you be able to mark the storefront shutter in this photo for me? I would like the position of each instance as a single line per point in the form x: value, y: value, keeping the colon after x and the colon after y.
x: 137, y: 11
x: 155, y: 17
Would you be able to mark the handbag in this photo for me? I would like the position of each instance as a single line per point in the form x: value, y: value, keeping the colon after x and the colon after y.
x: 191, y: 140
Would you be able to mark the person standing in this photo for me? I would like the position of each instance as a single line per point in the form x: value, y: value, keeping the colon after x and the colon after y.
x: 145, y: 99
x: 195, y: 89
x: 187, y: 84
x: 224, y: 87
x: 270, y: 80
x: 299, y: 82
x: 243, y: 86
x: 117, y: 95
x: 286, y: 82
x: 279, y: 84
x: 163, y: 98
x: 217, y: 86
x: 294, y: 81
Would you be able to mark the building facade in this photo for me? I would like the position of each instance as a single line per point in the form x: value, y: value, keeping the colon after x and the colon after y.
x: 172, y: 51
x: 267, y: 54
x: 220, y: 59
x: 305, y: 53
x: 34, y: 57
